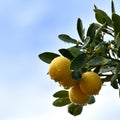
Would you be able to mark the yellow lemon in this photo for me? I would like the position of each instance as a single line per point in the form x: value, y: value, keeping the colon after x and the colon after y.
x: 90, y: 83
x: 68, y: 82
x: 77, y: 96
x: 59, y: 71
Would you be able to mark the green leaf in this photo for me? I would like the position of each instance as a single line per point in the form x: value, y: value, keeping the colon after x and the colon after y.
x: 117, y: 40
x: 97, y: 69
x: 112, y: 7
x: 67, y: 39
x: 47, y: 56
x: 75, y: 109
x: 102, y: 17
x: 106, y: 68
x: 116, y: 23
x: 78, y: 62
x: 61, y: 94
x: 118, y: 53
x: 80, y: 29
x: 101, y: 49
x: 99, y: 31
x: 98, y: 60
x: 76, y: 75
x: 66, y: 53
x: 61, y: 101
x: 91, y: 31
x: 91, y: 100
x: 107, y: 78
x: 75, y: 51
x: 114, y: 82
x: 86, y: 42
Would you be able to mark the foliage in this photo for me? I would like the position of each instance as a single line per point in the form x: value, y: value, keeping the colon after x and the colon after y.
x: 92, y: 52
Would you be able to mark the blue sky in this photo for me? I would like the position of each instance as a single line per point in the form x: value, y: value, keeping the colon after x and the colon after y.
x: 30, y: 27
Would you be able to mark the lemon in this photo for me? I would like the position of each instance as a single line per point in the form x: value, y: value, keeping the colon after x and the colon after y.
x: 77, y: 96
x: 59, y: 70
x: 90, y: 83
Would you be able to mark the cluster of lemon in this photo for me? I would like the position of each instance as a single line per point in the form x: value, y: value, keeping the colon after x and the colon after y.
x: 79, y: 92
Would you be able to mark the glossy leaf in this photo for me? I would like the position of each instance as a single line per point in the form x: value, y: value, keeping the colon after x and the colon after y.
x: 107, y: 78
x: 118, y: 53
x: 91, y: 100
x: 67, y: 38
x: 98, y: 60
x: 101, y: 49
x: 91, y: 31
x: 75, y: 109
x: 99, y: 31
x: 86, y: 42
x: 75, y: 51
x: 80, y: 29
x: 47, y: 56
x: 61, y: 93
x: 116, y: 23
x: 102, y: 17
x: 109, y: 66
x: 106, y: 68
x: 78, y: 62
x: 76, y: 75
x: 117, y: 40
x: 61, y: 101
x: 114, y: 82
x: 66, y: 53
x: 112, y: 7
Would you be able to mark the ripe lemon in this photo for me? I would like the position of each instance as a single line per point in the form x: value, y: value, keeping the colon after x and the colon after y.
x: 90, y: 83
x: 59, y: 71
x: 77, y: 96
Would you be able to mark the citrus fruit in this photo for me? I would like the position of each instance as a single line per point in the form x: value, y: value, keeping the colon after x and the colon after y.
x: 77, y: 96
x: 59, y: 71
x: 90, y: 83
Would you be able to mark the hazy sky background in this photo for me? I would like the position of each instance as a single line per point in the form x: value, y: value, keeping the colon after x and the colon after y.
x: 30, y: 27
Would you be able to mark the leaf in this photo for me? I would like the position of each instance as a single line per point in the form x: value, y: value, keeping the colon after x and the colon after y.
x: 107, y: 78
x: 91, y: 31
x: 102, y: 17
x: 99, y: 31
x: 80, y: 29
x: 47, y: 56
x: 75, y: 51
x: 114, y: 82
x: 61, y: 93
x: 101, y: 49
x: 61, y: 101
x: 91, y: 100
x: 112, y: 7
x: 76, y: 75
x: 78, y: 62
x: 75, y: 109
x: 67, y: 39
x: 66, y: 53
x: 98, y: 60
x: 116, y: 23
x: 118, y: 52
x: 117, y: 40
x: 86, y: 42
x: 106, y: 68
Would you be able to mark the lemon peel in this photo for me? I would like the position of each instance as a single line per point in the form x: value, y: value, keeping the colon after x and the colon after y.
x: 90, y: 83
x: 59, y: 71
x: 77, y: 96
